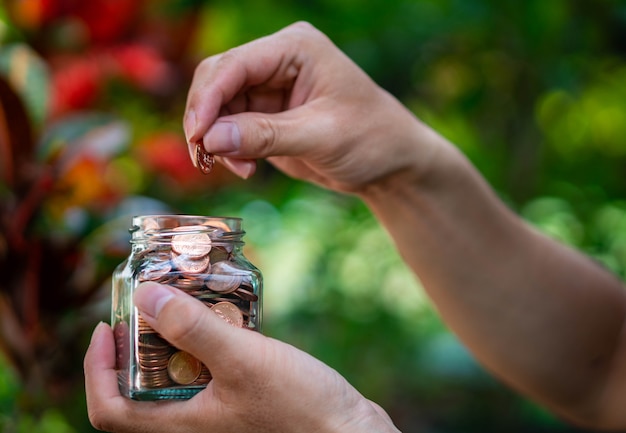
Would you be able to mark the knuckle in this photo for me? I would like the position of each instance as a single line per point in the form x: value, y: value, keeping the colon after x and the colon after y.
x: 210, y: 64
x: 204, y: 65
x: 267, y: 134
x: 304, y: 30
x: 228, y: 57
x: 303, y: 26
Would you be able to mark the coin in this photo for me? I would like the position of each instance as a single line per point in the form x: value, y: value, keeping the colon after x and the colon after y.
x: 246, y: 295
x: 218, y: 253
x: 224, y: 278
x: 155, y: 379
x: 220, y: 226
x: 167, y: 279
x: 205, y: 376
x: 155, y: 271
x: 188, y: 284
x: 149, y: 340
x: 229, y: 312
x: 150, y: 225
x: 189, y: 265
x: 194, y: 245
x: 205, y: 159
x: 143, y: 326
x: 183, y: 368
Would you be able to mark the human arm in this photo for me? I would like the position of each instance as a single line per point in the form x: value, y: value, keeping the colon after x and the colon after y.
x: 259, y: 384
x: 543, y: 317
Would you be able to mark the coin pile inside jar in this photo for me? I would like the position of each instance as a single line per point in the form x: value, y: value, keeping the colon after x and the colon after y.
x: 192, y: 262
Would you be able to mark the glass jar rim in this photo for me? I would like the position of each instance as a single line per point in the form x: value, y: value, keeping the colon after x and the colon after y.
x: 146, y: 227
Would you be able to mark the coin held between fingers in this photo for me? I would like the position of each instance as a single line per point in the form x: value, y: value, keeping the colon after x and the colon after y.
x: 204, y: 159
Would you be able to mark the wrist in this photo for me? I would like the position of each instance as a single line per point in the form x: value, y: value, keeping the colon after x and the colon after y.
x: 421, y: 164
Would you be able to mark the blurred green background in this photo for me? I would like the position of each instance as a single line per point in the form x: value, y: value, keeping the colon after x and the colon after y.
x: 534, y: 92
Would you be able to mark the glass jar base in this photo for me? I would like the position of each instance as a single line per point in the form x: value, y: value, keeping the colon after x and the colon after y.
x: 165, y: 393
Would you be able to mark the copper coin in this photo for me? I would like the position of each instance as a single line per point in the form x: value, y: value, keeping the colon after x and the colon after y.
x: 204, y: 159
x: 187, y: 284
x: 229, y: 312
x: 183, y: 368
x: 155, y: 380
x: 246, y: 295
x: 150, y: 225
x: 190, y: 265
x: 220, y: 226
x: 218, y: 253
x: 155, y: 271
x: 207, y: 295
x: 167, y: 279
x: 205, y: 376
x: 224, y: 278
x: 194, y: 245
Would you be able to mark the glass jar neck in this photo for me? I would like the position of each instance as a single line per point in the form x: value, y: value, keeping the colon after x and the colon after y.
x: 160, y: 229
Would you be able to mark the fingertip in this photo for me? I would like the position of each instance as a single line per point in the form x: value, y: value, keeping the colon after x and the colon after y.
x: 99, y: 338
x: 189, y: 128
x: 191, y: 148
x: 151, y: 297
x: 100, y: 328
x: 99, y: 364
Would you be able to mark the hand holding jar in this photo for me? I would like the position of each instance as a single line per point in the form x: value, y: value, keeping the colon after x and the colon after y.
x: 259, y: 384
x: 201, y: 256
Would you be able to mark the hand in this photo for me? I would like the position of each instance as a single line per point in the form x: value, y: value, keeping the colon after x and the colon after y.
x: 297, y: 100
x: 259, y: 384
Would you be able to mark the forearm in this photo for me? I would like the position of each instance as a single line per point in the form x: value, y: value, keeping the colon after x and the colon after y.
x: 539, y: 315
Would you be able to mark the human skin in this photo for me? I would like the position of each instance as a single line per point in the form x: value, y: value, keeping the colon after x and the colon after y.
x: 259, y: 384
x: 542, y: 317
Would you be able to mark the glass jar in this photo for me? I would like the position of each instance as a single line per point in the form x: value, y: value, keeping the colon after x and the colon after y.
x: 201, y: 256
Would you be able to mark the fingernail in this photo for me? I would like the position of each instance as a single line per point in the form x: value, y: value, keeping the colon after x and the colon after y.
x: 189, y: 127
x: 97, y: 330
x: 189, y: 124
x: 223, y: 137
x: 150, y: 298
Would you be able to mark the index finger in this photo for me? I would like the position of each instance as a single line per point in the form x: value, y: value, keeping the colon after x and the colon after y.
x: 99, y: 365
x: 110, y: 411
x: 273, y: 61
x: 101, y: 386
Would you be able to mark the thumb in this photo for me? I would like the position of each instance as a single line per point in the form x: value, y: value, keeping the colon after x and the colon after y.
x: 255, y: 135
x: 189, y: 325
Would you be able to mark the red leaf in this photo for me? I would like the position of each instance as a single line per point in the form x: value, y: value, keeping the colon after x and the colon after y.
x: 16, y: 142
